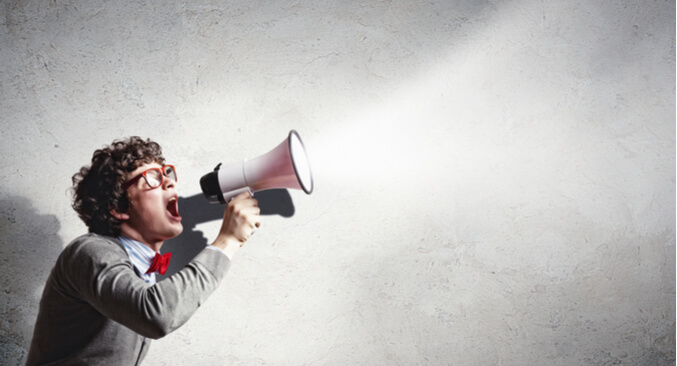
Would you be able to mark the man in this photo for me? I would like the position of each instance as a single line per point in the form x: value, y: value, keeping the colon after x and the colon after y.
x: 101, y: 302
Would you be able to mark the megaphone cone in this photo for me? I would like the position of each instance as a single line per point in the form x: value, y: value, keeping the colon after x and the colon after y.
x: 285, y: 166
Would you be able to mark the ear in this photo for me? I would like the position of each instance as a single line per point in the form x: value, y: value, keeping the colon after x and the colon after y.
x: 122, y: 216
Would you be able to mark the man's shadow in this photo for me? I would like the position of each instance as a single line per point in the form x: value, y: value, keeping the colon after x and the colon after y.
x: 197, y: 210
x: 29, y: 246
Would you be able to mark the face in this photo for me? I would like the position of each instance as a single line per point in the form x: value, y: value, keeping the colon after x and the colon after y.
x: 153, y: 214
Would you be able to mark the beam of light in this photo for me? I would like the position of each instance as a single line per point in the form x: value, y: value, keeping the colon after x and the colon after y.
x: 469, y: 125
x: 415, y: 131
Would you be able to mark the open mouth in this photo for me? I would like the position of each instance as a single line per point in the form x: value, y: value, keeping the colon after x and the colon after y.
x: 173, y: 207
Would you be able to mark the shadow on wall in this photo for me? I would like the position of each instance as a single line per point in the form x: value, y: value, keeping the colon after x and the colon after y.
x: 29, y: 246
x: 197, y: 210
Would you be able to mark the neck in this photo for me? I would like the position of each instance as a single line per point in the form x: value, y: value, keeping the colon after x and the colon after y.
x: 154, y: 245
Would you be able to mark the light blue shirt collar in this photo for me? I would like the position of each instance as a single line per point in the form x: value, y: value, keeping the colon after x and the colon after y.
x: 141, y: 257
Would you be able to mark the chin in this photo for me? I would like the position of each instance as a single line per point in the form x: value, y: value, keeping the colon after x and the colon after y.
x: 173, y: 231
x: 177, y: 230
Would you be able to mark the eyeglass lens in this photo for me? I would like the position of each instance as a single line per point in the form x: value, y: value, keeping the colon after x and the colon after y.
x: 170, y: 172
x: 154, y: 176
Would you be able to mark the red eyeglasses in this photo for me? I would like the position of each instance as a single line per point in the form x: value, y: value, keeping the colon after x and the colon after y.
x: 154, y: 177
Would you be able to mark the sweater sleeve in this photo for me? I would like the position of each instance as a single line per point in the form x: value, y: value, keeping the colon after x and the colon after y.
x: 99, y: 271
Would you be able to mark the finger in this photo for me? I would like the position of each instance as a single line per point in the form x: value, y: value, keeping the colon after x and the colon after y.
x: 251, y: 215
x: 251, y: 210
x: 244, y: 202
x: 249, y: 202
x: 242, y: 196
x: 255, y: 221
x: 254, y: 225
x: 242, y: 208
x: 246, y: 211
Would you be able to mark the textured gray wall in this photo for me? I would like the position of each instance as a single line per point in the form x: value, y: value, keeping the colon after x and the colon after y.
x: 495, y: 180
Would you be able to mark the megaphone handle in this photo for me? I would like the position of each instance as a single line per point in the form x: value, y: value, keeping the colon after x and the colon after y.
x: 235, y: 192
x: 228, y: 196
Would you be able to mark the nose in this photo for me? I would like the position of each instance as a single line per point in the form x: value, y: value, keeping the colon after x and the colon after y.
x: 168, y: 182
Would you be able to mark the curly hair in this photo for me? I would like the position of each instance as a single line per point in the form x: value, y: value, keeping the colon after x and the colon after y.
x: 98, y: 189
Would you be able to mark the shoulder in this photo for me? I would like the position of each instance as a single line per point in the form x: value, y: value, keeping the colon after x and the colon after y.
x: 94, y: 244
x: 86, y: 258
x: 93, y: 248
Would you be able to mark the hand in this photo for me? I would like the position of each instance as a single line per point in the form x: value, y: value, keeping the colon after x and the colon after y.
x: 241, y: 216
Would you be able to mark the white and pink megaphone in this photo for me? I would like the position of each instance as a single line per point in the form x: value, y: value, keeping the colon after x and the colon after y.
x: 285, y: 166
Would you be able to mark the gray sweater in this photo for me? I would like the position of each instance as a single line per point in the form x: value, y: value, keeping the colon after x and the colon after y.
x: 96, y: 309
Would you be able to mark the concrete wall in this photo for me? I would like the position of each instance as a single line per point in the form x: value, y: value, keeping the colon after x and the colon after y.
x: 495, y: 180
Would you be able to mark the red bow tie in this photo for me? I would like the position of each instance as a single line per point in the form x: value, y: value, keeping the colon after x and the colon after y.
x: 160, y: 263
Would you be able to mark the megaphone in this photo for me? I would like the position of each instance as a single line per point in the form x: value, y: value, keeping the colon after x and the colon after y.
x: 285, y: 166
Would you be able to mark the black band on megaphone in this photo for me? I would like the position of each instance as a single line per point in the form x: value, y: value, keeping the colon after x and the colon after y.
x: 210, y: 185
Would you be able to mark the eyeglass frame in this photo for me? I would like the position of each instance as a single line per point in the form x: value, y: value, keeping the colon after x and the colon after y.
x: 163, y: 174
